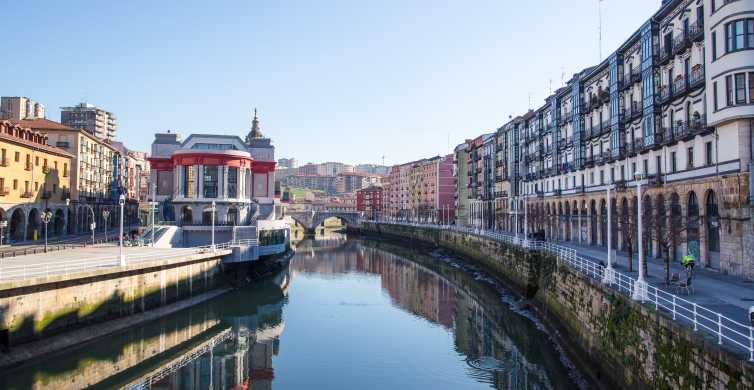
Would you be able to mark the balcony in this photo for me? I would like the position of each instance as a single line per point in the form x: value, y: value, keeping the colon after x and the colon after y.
x: 635, y: 75
x: 664, y: 56
x: 4, y: 191
x: 620, y: 185
x: 604, y: 96
x: 557, y: 192
x: 4, y: 162
x: 605, y: 126
x: 696, y: 79
x: 654, y: 180
x: 696, y: 31
x: 589, y: 161
x: 679, y: 86
x: 681, y: 43
x: 664, y: 94
x: 28, y: 166
x: 698, y: 125
x: 26, y: 194
x: 46, y: 169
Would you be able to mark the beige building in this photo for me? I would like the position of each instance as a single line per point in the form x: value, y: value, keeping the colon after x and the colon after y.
x: 34, y: 178
x: 18, y: 107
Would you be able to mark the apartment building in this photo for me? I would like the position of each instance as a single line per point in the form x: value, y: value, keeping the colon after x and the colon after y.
x: 20, y: 107
x: 673, y: 108
x: 34, y: 178
x: 423, y: 188
x: 370, y: 200
x: 96, y: 121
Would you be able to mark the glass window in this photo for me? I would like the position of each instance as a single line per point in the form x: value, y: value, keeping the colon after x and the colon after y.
x: 189, y: 182
x: 740, y: 88
x: 232, y: 182
x: 210, y: 181
x: 690, y: 158
x: 729, y: 90
x: 714, y: 94
x: 751, y: 87
x: 673, y: 166
x: 708, y: 153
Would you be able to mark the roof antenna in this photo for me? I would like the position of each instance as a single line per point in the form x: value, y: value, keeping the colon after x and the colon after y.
x: 599, y: 30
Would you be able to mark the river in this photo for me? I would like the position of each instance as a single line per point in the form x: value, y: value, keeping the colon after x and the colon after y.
x: 346, y: 314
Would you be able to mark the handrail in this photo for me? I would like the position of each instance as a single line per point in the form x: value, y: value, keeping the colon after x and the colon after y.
x: 686, y: 312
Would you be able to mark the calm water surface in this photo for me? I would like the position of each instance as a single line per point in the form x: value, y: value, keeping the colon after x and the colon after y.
x: 347, y: 314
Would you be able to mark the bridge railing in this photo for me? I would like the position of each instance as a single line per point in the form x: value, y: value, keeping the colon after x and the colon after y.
x: 722, y: 329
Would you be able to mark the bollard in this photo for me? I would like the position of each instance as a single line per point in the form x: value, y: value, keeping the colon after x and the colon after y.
x: 695, y: 324
x: 751, y: 344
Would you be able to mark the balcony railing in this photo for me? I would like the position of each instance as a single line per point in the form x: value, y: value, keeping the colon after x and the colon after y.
x: 679, y: 86
x: 4, y: 191
x: 664, y: 56
x: 4, y: 162
x: 681, y: 43
x: 697, y: 76
x: 26, y: 194
x: 698, y: 125
x: 28, y: 166
x: 696, y: 31
x: 664, y: 94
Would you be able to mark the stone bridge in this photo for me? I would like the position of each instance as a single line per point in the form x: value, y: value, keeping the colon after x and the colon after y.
x: 311, y: 219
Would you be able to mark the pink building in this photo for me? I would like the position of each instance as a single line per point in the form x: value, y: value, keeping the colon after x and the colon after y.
x: 423, y: 188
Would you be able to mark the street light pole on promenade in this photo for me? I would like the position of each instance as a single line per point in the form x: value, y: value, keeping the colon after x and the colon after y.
x: 640, y: 286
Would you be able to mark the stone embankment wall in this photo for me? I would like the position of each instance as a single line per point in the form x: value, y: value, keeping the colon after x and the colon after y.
x: 615, y: 341
x: 35, y: 308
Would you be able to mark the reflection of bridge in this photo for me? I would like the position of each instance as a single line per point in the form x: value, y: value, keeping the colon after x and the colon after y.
x: 311, y: 219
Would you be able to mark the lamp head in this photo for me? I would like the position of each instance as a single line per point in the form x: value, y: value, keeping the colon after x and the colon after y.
x: 121, y: 199
x: 67, y: 202
x: 637, y: 176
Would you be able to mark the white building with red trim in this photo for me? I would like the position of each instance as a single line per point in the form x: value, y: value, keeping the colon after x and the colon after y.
x: 238, y: 175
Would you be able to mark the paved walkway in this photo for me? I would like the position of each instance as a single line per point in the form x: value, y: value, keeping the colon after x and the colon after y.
x: 726, y: 294
x: 64, y: 261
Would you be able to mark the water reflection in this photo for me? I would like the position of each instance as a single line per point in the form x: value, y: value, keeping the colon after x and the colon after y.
x: 503, y: 348
x: 347, y: 314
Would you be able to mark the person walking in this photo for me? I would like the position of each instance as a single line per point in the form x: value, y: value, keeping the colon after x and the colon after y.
x: 688, y: 262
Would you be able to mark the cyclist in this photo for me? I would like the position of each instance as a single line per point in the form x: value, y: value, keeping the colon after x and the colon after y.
x: 688, y: 262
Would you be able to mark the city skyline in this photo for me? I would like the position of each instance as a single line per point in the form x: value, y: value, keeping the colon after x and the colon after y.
x: 433, y: 90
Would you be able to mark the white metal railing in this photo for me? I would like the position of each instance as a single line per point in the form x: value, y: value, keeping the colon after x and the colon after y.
x: 47, y: 269
x: 725, y: 330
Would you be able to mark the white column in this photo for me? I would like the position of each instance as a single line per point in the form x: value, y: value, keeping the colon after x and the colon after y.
x: 609, y: 276
x: 640, y: 286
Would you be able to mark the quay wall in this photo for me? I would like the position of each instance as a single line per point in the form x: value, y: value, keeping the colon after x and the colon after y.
x: 613, y: 340
x: 32, y: 309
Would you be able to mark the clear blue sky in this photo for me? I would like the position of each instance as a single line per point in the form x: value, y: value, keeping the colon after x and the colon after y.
x: 333, y: 80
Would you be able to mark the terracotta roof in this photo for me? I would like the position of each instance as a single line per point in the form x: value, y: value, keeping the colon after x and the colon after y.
x: 42, y: 124
x: 34, y: 145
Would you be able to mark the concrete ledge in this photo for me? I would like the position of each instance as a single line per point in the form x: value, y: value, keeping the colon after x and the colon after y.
x: 114, y: 271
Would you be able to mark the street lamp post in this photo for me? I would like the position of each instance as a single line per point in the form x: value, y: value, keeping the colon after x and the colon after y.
x: 122, y: 202
x: 46, y: 218
x: 152, y: 206
x: 640, y: 286
x: 105, y: 216
x: 609, y: 276
x: 515, y: 200
x: 526, y: 220
x: 212, y: 210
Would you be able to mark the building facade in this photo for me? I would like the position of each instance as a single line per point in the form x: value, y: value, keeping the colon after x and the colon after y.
x: 96, y: 121
x: 238, y: 175
x: 422, y: 189
x: 671, y: 108
x: 370, y: 200
x: 34, y: 178
x: 19, y: 107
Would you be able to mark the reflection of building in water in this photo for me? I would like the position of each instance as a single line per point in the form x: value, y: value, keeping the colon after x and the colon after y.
x: 491, y: 338
x: 243, y: 360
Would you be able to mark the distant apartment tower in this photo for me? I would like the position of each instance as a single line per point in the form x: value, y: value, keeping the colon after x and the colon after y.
x: 96, y: 121
x: 287, y: 163
x: 18, y: 108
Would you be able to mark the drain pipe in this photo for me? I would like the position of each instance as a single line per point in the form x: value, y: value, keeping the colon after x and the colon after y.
x: 751, y: 162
